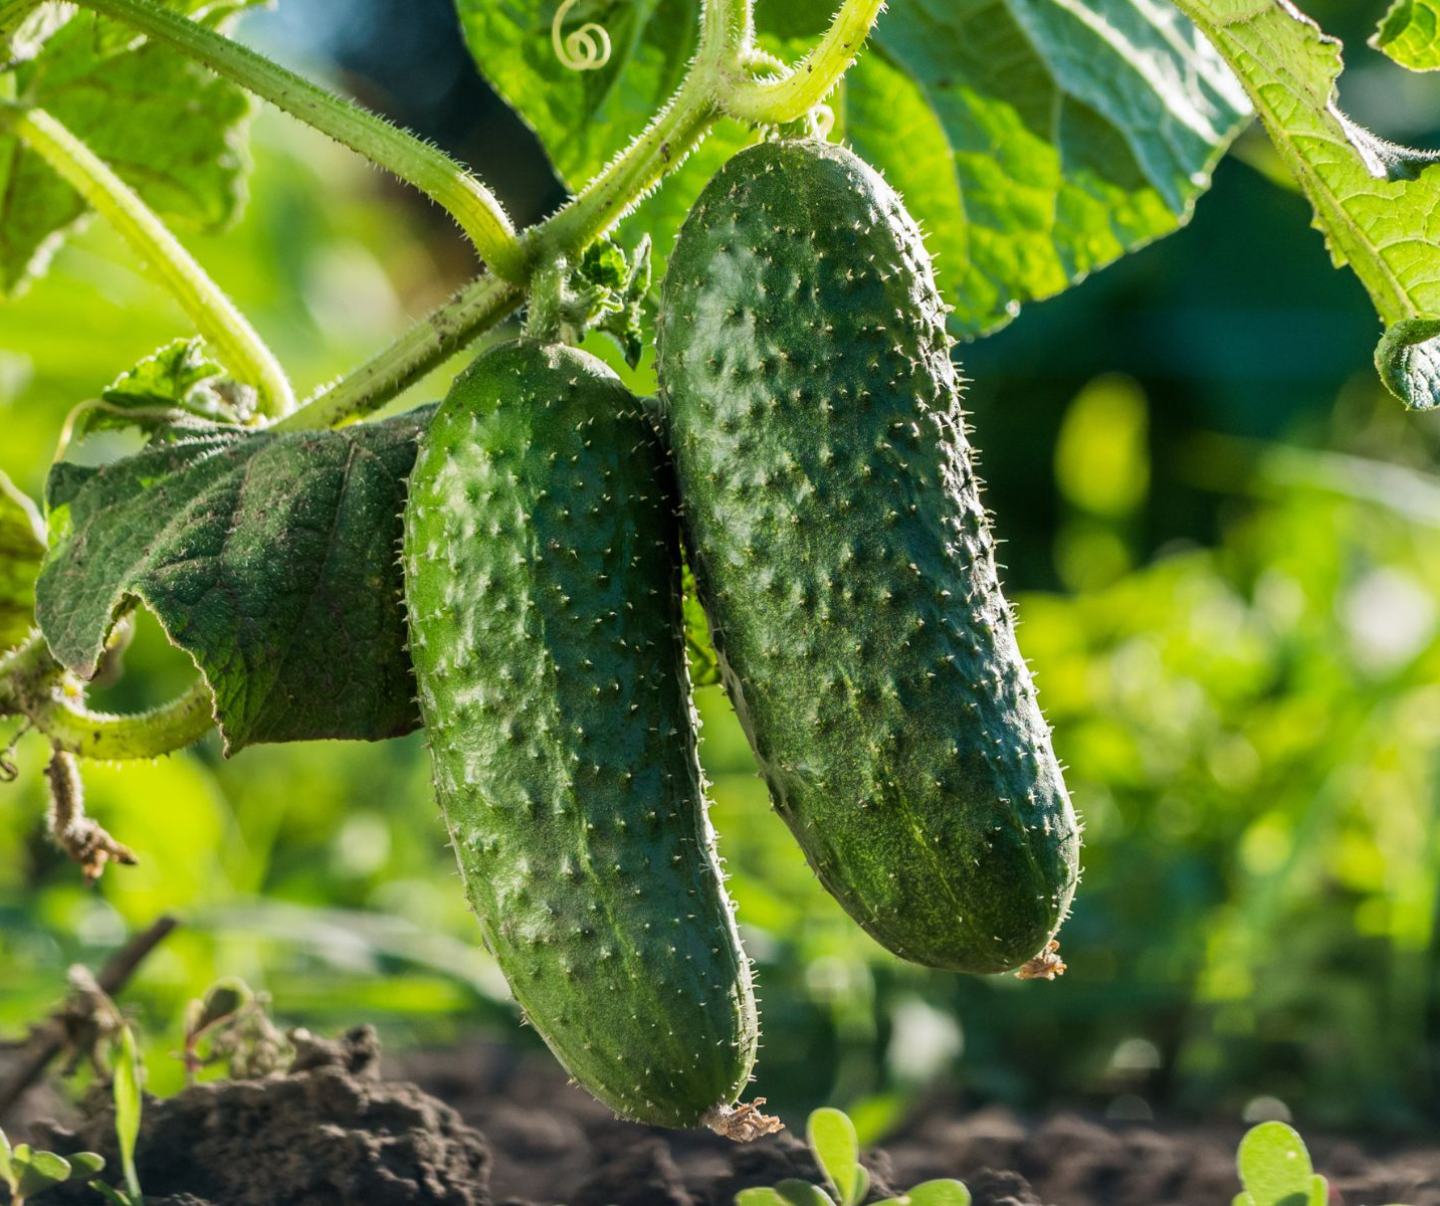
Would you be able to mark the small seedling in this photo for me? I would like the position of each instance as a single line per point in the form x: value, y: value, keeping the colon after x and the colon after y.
x: 231, y: 1025
x: 832, y: 1138
x: 1275, y: 1169
x: 27, y: 1172
x: 129, y: 1099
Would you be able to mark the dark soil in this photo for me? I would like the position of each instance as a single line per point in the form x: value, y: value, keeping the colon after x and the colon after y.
x: 329, y: 1132
x: 513, y: 1133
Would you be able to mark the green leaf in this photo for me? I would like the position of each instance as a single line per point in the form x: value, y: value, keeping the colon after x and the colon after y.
x: 583, y: 118
x: 759, y: 1197
x: 39, y: 1171
x: 129, y: 1101
x: 120, y: 96
x: 831, y: 1136
x: 794, y: 1192
x: 85, y: 1165
x: 1036, y: 140
x: 268, y: 557
x: 22, y: 545
x: 172, y: 383
x: 1374, y: 201
x: 1275, y: 1169
x: 937, y: 1193
x: 611, y: 288
x: 224, y: 1000
x: 1410, y: 34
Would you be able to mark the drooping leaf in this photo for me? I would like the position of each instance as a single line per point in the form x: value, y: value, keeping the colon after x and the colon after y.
x: 121, y: 96
x: 22, y: 546
x: 1410, y: 34
x: 832, y: 1138
x: 1275, y: 1169
x: 129, y: 1095
x: 268, y: 557
x: 1036, y: 140
x: 1376, y: 203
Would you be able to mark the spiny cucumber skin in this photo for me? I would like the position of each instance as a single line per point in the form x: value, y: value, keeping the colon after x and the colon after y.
x: 541, y: 566
x: 846, y: 564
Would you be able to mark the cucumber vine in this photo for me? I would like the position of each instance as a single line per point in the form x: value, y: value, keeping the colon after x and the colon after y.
x: 719, y: 82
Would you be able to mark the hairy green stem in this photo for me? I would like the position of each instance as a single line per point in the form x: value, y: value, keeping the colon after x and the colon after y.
x: 428, y: 168
x: 172, y: 726
x: 671, y: 136
x: 476, y: 308
x: 792, y: 95
x: 33, y: 684
x: 214, y: 315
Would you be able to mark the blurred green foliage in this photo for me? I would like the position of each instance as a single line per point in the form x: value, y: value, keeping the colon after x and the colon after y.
x: 1231, y: 567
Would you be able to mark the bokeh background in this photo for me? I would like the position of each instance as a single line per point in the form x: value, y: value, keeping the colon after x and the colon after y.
x: 1223, y: 539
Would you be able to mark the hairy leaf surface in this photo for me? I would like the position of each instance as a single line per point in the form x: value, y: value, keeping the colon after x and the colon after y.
x: 269, y: 558
x: 1036, y: 140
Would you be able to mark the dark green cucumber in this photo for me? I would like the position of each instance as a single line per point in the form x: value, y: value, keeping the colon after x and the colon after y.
x: 542, y: 578
x: 845, y: 562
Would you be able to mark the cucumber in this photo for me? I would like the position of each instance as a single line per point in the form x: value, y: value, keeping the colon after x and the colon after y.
x: 542, y: 579
x: 845, y: 563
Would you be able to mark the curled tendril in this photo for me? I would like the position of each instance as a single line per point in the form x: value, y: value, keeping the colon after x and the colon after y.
x: 9, y: 772
x: 822, y: 121
x: 584, y: 49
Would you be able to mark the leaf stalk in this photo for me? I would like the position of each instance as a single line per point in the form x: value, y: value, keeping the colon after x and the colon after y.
x: 788, y: 97
x: 34, y: 685
x: 215, y: 316
x: 428, y: 168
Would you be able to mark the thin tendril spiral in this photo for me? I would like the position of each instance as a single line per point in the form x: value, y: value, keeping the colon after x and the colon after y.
x: 584, y: 49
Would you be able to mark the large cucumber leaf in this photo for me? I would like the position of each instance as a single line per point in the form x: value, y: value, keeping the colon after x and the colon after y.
x: 171, y: 130
x: 1035, y: 140
x: 1375, y: 202
x: 269, y: 557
